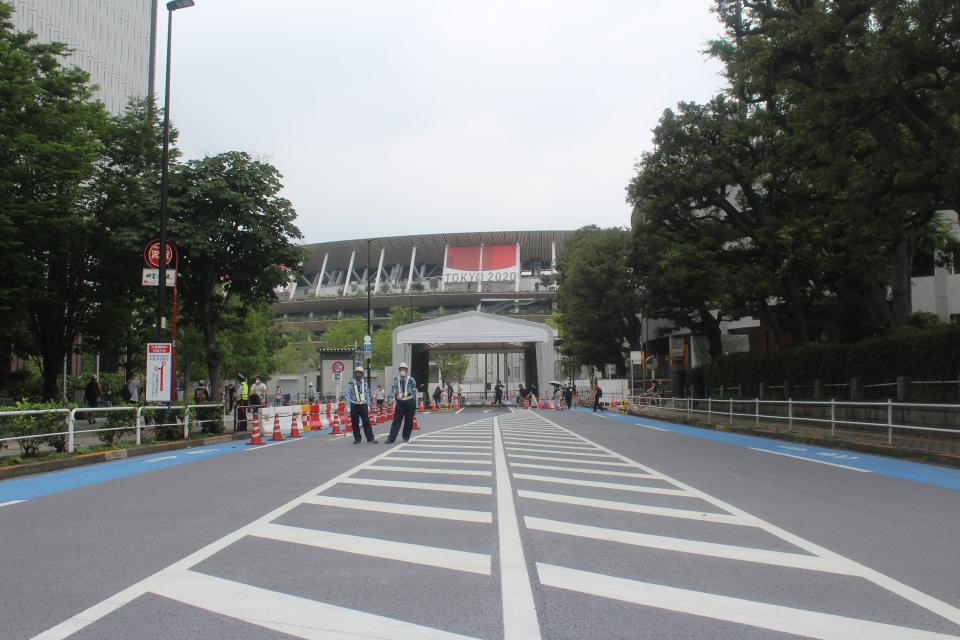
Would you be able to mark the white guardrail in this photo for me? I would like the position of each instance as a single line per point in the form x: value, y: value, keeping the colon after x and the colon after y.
x: 70, y: 421
x: 830, y: 412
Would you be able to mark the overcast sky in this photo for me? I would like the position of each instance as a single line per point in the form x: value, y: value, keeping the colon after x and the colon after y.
x: 389, y: 117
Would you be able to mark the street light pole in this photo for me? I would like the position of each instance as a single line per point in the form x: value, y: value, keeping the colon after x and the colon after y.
x: 172, y: 6
x: 369, y: 316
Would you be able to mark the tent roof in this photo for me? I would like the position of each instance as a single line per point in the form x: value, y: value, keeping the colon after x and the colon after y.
x: 473, y: 327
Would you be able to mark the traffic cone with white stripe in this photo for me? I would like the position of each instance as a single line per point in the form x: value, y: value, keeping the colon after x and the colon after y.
x: 255, y: 438
x: 277, y: 436
x: 336, y: 425
x: 294, y: 429
x: 416, y: 426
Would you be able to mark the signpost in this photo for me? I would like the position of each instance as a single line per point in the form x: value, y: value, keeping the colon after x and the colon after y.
x: 151, y: 277
x: 337, y: 369
x: 159, y: 367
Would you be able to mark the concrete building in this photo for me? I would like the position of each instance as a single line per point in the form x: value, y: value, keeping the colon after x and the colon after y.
x: 111, y: 40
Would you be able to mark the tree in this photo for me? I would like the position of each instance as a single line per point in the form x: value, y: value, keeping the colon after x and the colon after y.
x: 236, y: 239
x: 50, y: 146
x: 345, y: 333
x: 383, y: 338
x: 598, y: 296
x: 249, y: 339
x: 299, y: 352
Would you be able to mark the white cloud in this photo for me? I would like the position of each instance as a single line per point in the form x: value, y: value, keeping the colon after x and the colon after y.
x: 402, y: 116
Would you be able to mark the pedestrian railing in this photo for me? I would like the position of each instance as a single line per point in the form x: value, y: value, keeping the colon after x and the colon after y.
x: 879, y: 417
x: 140, y: 412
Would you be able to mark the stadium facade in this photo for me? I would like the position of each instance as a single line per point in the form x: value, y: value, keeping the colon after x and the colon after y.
x: 509, y: 273
x: 110, y: 39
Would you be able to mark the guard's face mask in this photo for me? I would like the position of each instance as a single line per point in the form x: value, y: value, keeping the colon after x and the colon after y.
x: 358, y: 375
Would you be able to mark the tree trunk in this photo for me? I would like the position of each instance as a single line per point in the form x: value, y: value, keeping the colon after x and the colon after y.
x: 798, y: 319
x: 901, y: 284
x: 214, y: 358
x: 52, y: 364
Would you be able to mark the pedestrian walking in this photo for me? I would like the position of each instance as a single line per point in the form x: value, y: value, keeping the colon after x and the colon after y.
x: 597, y: 395
x: 437, y: 395
x: 358, y: 400
x: 404, y: 391
x: 449, y: 393
x: 381, y: 397
x: 278, y: 397
x: 498, y: 394
x: 459, y: 394
x: 311, y: 393
x: 568, y: 396
x: 92, y: 395
x: 201, y: 394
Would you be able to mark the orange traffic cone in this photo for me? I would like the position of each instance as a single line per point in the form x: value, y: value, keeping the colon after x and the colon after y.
x: 336, y: 425
x: 433, y: 406
x: 420, y: 408
x: 416, y: 426
x: 294, y: 429
x: 277, y: 436
x: 255, y: 436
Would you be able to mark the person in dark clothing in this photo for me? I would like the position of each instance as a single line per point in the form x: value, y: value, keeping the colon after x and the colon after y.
x: 568, y: 396
x: 437, y: 395
x: 92, y: 394
x: 405, y: 393
x: 498, y: 394
x: 358, y: 399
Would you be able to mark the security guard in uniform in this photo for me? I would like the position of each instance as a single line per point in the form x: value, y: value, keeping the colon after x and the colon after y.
x: 358, y: 399
x: 405, y: 394
x: 242, y: 404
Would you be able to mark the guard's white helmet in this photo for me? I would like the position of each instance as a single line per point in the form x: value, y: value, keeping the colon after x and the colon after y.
x: 360, y: 369
x: 403, y: 365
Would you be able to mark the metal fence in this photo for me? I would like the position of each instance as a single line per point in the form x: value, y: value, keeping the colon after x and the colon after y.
x: 70, y: 431
x: 873, y: 417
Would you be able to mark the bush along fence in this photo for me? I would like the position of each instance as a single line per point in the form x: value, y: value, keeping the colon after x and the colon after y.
x: 32, y: 426
x: 916, y: 367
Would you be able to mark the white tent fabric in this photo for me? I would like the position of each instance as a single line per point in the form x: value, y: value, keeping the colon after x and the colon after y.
x: 478, y: 328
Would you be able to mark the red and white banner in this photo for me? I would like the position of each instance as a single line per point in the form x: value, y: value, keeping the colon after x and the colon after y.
x: 487, y: 263
x: 159, y: 366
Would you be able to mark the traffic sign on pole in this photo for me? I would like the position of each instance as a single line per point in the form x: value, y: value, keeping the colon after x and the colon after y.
x: 151, y: 254
x: 337, y: 367
x: 159, y: 366
x: 151, y: 277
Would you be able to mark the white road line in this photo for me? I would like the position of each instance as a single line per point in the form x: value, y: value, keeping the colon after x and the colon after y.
x: 459, y: 410
x: 450, y: 446
x: 917, y: 597
x: 649, y: 426
x: 566, y: 453
x: 438, y: 471
x: 91, y: 614
x: 396, y: 508
x: 398, y: 458
x: 602, y: 485
x: 378, y: 548
x: 682, y: 545
x: 509, y: 442
x: 10, y: 502
x: 599, y: 472
x: 549, y: 459
x: 519, y: 610
x: 796, y: 622
x: 454, y: 439
x: 788, y: 455
x: 430, y: 452
x: 685, y: 514
x: 288, y: 440
x: 424, y: 486
x: 293, y: 615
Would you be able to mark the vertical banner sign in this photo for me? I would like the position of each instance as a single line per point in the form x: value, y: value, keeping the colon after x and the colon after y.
x: 489, y: 263
x: 159, y: 367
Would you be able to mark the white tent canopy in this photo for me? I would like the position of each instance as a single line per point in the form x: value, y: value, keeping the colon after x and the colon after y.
x: 478, y: 332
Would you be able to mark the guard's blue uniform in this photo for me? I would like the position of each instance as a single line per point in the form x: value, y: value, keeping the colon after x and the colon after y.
x: 405, y: 393
x: 358, y: 399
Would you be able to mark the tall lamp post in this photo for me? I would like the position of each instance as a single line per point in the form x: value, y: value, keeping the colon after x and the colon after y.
x: 172, y: 6
x: 369, y: 316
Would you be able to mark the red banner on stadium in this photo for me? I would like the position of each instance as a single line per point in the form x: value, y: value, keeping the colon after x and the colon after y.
x: 489, y: 263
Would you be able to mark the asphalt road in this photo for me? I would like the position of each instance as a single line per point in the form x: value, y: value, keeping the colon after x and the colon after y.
x: 488, y: 524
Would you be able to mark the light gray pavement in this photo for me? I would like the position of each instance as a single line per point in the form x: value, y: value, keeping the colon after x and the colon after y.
x: 488, y: 525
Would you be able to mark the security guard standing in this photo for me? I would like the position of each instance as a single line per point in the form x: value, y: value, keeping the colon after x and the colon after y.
x: 242, y: 404
x: 405, y: 394
x: 358, y: 399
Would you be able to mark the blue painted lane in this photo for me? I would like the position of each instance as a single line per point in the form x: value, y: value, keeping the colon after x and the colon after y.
x: 931, y: 474
x: 45, y: 484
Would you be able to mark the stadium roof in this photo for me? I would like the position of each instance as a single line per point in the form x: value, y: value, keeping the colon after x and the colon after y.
x: 430, y: 247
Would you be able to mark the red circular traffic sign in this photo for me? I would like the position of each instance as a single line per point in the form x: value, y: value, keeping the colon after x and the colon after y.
x: 337, y: 367
x: 151, y: 255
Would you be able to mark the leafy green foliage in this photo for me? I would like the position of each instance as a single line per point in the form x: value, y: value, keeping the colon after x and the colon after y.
x: 119, y: 424
x: 598, y: 296
x: 345, y: 333
x: 298, y: 353
x: 383, y: 338
x: 30, y: 428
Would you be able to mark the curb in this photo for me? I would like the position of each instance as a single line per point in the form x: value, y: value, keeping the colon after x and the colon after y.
x: 31, y: 468
x: 892, y: 451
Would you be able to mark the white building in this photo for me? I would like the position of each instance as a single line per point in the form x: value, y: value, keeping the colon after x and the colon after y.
x: 111, y: 41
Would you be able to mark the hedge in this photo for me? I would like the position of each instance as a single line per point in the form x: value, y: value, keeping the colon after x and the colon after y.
x: 932, y: 354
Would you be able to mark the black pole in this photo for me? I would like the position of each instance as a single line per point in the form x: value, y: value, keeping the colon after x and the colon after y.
x: 164, y: 187
x: 152, y: 65
x: 369, y: 317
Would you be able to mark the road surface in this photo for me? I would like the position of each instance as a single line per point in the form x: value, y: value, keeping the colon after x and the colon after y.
x: 488, y: 524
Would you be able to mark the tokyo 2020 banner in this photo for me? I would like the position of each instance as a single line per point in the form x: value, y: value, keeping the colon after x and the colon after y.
x: 487, y: 263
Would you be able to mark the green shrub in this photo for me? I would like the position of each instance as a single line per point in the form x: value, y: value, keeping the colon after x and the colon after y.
x: 30, y: 428
x: 932, y: 354
x: 120, y: 423
x: 211, y: 419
